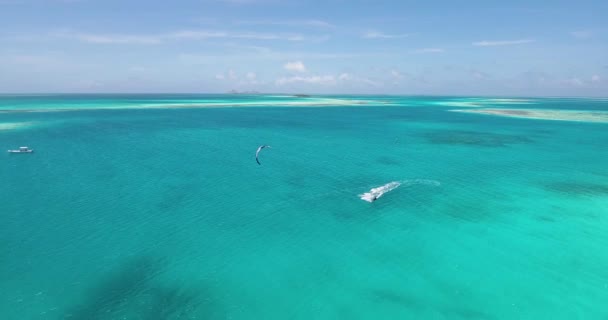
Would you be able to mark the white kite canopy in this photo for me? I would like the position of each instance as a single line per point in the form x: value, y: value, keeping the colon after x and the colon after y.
x: 257, y: 153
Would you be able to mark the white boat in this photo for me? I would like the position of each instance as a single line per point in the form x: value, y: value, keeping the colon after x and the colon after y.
x: 21, y: 150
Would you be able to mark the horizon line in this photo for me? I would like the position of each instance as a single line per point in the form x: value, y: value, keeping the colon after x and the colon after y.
x: 294, y: 94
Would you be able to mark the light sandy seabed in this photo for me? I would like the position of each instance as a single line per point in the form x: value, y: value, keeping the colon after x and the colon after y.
x: 481, y: 102
x: 563, y: 115
x: 14, y: 125
x: 313, y: 102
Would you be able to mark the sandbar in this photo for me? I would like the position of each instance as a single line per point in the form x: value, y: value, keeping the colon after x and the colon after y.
x: 480, y: 102
x: 561, y: 115
x: 302, y: 102
x: 14, y: 125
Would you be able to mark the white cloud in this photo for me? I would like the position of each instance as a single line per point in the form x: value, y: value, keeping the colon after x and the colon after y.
x: 232, y: 75
x: 247, y: 79
x: 114, y: 39
x: 581, y: 34
x: 576, y: 82
x: 238, y: 1
x: 380, y: 35
x: 88, y: 85
x: 318, y: 80
x: 289, y: 23
x: 369, y: 82
x: 28, y: 59
x: 344, y: 77
x: 480, y: 75
x: 178, y: 35
x: 501, y: 42
x: 296, y: 66
x: 347, y: 77
x: 228, y: 75
x: 242, y: 2
x: 25, y: 2
x: 207, y: 34
x: 429, y: 50
x: 548, y: 80
x: 196, y: 34
x: 239, y: 53
x: 138, y: 69
x: 396, y: 74
x: 318, y: 23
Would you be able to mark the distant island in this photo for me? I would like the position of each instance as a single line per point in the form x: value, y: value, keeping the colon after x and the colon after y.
x: 242, y: 92
x: 297, y: 95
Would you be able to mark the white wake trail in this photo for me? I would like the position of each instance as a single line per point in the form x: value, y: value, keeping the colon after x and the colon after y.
x: 377, y: 192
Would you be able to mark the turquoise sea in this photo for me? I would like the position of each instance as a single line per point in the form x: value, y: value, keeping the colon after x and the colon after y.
x: 153, y: 207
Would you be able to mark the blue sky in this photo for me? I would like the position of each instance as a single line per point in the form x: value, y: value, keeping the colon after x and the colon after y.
x: 525, y: 48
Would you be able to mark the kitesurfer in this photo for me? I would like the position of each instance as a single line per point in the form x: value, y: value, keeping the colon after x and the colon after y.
x: 257, y: 153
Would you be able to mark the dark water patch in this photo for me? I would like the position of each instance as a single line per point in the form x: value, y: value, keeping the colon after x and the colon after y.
x: 474, y: 210
x: 114, y: 290
x: 545, y: 218
x: 411, y: 302
x: 133, y: 292
x: 384, y: 160
x: 397, y: 298
x: 464, y: 313
x: 300, y: 180
x: 174, y: 196
x: 171, y: 201
x: 474, y: 138
x: 542, y: 131
x: 104, y: 171
x: 413, y: 114
x: 578, y: 188
x: 602, y: 174
x: 165, y: 303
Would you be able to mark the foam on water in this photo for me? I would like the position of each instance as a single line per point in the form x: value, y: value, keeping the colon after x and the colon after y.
x: 377, y: 192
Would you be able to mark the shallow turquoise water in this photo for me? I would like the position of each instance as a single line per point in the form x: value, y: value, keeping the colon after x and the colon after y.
x: 163, y: 213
